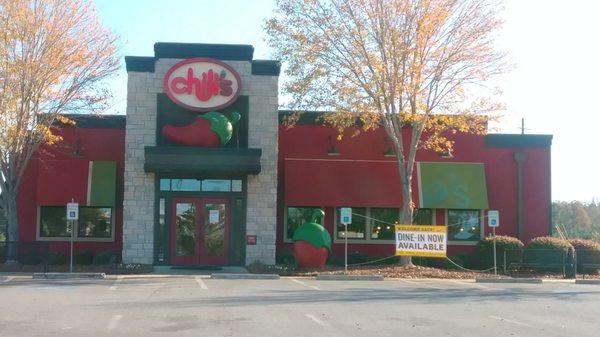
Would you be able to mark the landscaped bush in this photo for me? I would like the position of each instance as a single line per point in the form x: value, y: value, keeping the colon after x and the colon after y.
x: 484, y: 257
x: 464, y: 260
x: 588, y: 254
x: 56, y: 258
x: 424, y: 261
x: 285, y: 258
x: 83, y: 258
x: 549, y: 253
x: 29, y: 259
x: 105, y: 258
x: 357, y: 257
x: 549, y: 242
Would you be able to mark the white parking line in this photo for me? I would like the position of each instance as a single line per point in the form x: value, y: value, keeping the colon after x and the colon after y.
x: 201, y: 283
x: 316, y: 320
x: 117, y: 281
x: 304, y: 284
x: 112, y: 323
x: 8, y: 279
x: 511, y: 321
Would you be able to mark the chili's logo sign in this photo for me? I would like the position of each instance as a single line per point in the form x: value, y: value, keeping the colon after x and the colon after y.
x: 202, y: 84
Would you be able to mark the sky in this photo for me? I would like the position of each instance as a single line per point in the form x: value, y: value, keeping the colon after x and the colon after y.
x: 552, y: 45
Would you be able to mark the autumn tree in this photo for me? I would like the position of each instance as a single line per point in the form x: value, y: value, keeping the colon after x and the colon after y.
x: 413, y: 67
x: 54, y: 55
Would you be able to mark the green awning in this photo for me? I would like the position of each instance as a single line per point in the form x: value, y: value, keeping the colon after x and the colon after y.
x: 102, y: 183
x: 452, y: 185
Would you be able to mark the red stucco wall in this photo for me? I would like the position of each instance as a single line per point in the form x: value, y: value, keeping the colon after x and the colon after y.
x: 311, y: 142
x: 39, y: 186
x: 304, y: 142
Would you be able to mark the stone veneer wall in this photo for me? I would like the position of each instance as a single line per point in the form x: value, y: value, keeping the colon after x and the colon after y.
x: 139, y: 196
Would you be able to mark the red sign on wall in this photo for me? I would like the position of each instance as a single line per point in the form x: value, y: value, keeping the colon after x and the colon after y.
x: 250, y: 239
x: 202, y: 84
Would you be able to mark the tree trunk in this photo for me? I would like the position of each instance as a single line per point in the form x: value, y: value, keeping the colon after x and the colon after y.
x: 406, y: 213
x: 12, y: 229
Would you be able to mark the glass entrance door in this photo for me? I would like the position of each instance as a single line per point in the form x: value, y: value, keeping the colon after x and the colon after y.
x: 200, y: 231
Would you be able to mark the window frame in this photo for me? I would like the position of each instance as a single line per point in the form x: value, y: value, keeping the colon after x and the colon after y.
x: 466, y: 242
x: 76, y: 238
x: 284, y: 220
x: 368, y: 240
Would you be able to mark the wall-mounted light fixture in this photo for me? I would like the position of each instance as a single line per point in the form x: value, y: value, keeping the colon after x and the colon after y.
x: 77, y: 150
x: 447, y: 154
x: 333, y: 151
x: 389, y: 152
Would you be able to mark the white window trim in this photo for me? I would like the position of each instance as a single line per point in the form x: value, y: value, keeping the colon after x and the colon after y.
x: 368, y: 240
x: 75, y: 229
x: 466, y: 242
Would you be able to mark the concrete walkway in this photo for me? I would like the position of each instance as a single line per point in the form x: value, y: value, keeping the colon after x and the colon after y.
x: 171, y: 270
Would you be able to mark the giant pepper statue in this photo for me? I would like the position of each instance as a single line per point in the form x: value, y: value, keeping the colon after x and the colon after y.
x: 211, y: 129
x: 312, y: 242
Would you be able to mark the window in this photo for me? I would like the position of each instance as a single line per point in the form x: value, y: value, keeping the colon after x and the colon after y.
x: 463, y: 225
x: 378, y: 223
x: 358, y: 227
x: 236, y: 186
x: 200, y: 185
x: 161, y: 231
x: 382, y: 223
x: 296, y: 216
x: 53, y: 222
x: 423, y: 216
x: 187, y: 185
x: 165, y: 184
x: 214, y: 185
x: 93, y: 223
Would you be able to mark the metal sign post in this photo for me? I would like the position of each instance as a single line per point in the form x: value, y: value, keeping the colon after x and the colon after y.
x: 495, y: 263
x: 493, y: 222
x: 72, y: 216
x: 346, y: 218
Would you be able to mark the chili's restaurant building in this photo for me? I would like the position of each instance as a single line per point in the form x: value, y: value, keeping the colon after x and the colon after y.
x: 201, y: 171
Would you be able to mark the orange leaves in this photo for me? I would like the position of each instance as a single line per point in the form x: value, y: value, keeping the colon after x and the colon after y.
x: 54, y: 56
x: 397, y: 64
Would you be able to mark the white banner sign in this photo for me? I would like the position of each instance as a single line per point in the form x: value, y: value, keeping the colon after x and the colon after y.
x: 428, y: 241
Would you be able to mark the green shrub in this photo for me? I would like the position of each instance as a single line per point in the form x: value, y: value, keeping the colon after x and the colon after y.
x: 424, y: 261
x: 56, y: 258
x: 357, y: 257
x: 462, y: 259
x: 286, y: 258
x: 83, y: 258
x: 549, y: 242
x: 29, y: 258
x: 484, y: 257
x: 105, y: 258
x: 2, y: 237
x: 548, y: 252
x: 588, y: 253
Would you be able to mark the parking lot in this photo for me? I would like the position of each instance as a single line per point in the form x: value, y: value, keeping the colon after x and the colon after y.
x: 200, y: 306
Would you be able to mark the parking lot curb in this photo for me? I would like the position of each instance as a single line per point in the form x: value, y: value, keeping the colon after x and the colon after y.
x: 587, y: 281
x: 226, y: 276
x: 349, y: 278
x: 508, y: 280
x: 65, y: 276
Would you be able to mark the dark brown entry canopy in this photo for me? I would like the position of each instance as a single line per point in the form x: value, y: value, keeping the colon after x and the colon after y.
x: 191, y: 160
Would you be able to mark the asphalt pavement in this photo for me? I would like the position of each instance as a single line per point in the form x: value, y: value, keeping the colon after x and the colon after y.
x: 191, y: 305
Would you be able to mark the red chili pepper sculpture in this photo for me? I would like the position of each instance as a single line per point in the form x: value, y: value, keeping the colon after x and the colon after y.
x: 312, y: 243
x: 211, y: 129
